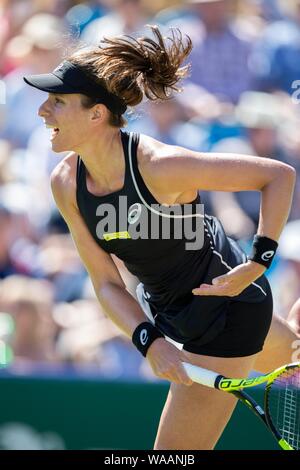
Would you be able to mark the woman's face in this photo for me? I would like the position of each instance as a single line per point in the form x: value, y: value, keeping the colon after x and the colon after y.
x: 70, y: 122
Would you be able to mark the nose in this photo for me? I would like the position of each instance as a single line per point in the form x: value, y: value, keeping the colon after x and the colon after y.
x: 43, y: 109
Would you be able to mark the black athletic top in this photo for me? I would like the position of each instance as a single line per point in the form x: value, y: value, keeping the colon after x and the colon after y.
x: 167, y: 269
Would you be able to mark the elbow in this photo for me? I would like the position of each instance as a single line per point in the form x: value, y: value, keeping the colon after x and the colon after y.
x: 289, y: 169
x: 103, y: 293
x: 107, y: 288
x: 289, y: 174
x: 103, y: 290
x: 285, y: 173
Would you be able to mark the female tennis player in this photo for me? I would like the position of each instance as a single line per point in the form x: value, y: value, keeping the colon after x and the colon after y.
x: 210, y: 298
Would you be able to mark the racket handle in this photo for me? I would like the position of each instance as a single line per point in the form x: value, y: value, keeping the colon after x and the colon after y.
x: 199, y: 375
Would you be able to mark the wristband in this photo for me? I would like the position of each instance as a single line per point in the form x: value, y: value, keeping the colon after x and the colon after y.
x: 144, y: 335
x: 263, y: 250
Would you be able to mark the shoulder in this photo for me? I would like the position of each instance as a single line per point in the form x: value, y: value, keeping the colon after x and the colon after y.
x: 63, y: 181
x: 156, y: 162
x: 155, y: 155
x: 156, y: 159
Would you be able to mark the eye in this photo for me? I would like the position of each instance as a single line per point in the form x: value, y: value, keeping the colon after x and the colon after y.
x: 57, y: 100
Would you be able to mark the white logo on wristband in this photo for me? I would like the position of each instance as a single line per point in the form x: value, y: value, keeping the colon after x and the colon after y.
x: 267, y: 255
x: 143, y: 337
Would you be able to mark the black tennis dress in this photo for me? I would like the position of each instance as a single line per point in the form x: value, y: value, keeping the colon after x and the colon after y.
x: 130, y: 224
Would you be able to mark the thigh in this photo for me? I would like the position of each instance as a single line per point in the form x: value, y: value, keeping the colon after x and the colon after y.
x: 280, y: 346
x: 194, y: 417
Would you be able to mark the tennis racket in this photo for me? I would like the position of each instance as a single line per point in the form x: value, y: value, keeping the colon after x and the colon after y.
x: 281, y: 413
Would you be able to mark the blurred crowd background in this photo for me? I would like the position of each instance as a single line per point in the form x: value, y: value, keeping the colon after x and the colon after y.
x: 242, y: 96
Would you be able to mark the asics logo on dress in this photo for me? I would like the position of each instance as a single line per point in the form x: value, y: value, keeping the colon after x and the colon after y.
x: 144, y: 337
x: 134, y: 213
x: 267, y: 255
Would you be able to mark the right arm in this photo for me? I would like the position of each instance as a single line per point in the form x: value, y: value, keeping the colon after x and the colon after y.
x: 109, y: 287
x: 105, y: 277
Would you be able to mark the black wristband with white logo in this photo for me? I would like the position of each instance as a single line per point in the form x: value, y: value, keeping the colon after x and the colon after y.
x: 144, y: 335
x: 263, y: 250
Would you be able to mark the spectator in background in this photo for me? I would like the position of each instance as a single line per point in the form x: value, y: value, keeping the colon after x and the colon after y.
x: 54, y: 7
x: 80, y: 15
x: 10, y: 224
x: 168, y: 121
x: 34, y: 334
x: 270, y: 9
x: 4, y: 29
x: 275, y: 61
x: 34, y: 50
x: 6, y: 266
x: 290, y: 138
x: 88, y: 339
x: 59, y: 263
x: 260, y: 115
x: 15, y: 13
x: 252, y: 10
x: 126, y: 17
x: 5, y: 174
x: 220, y: 51
x: 285, y: 280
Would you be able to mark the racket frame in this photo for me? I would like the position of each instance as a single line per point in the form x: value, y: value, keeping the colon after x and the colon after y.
x: 236, y: 387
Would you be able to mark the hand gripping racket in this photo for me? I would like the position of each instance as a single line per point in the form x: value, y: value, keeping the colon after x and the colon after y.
x: 281, y: 413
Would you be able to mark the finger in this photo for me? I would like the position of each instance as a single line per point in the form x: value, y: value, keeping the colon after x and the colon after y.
x: 173, y: 375
x: 214, y: 292
x: 202, y: 286
x: 188, y: 381
x: 220, y: 280
x: 222, y: 286
x: 178, y: 375
x: 168, y: 377
x: 184, y: 378
x: 210, y: 290
x: 177, y: 378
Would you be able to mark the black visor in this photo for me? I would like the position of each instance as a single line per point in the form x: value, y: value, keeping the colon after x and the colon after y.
x: 68, y: 78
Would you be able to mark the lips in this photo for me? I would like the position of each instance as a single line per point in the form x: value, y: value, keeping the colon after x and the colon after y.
x: 55, y: 130
x: 54, y: 133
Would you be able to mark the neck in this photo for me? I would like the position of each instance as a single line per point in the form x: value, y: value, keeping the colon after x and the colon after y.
x: 103, y: 158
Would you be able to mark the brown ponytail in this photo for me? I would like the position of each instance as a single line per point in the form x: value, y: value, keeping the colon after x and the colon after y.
x: 130, y: 67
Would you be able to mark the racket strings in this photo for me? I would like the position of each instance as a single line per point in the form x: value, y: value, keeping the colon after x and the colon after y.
x: 284, y: 406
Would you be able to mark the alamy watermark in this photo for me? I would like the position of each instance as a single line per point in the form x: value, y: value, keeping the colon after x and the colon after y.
x: 296, y: 93
x: 153, y: 222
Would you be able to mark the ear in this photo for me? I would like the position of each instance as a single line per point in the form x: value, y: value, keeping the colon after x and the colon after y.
x: 97, y: 113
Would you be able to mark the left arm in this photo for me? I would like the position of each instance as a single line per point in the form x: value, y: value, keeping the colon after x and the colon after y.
x: 185, y: 170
